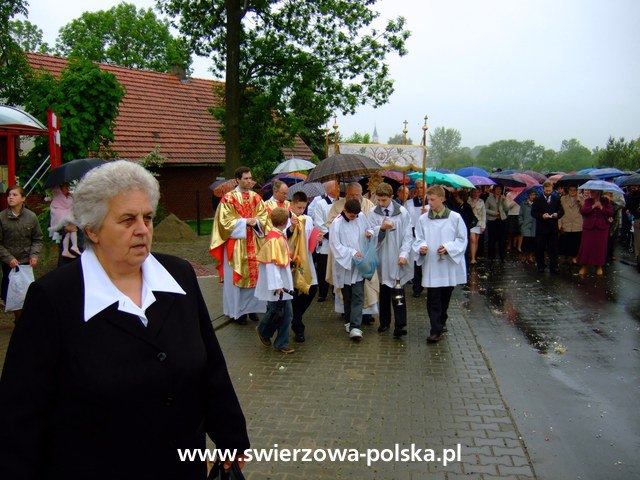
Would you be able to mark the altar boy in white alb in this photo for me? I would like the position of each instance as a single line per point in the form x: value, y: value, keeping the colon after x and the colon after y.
x: 347, y: 236
x: 390, y: 224
x: 440, y: 245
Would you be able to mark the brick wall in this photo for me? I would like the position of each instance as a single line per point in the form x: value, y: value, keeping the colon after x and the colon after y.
x: 178, y: 187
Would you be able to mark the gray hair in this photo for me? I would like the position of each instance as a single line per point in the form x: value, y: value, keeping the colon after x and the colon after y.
x: 91, y: 196
x: 356, y: 186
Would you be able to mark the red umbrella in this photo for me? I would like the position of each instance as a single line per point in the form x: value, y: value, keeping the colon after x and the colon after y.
x: 395, y: 175
x: 222, y: 186
x: 537, y: 175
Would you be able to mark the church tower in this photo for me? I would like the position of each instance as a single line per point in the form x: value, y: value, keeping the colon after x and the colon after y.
x: 374, y: 138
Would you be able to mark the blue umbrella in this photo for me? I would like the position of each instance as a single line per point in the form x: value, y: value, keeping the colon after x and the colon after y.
x: 586, y: 170
x: 469, y: 171
x: 508, y: 172
x: 604, y: 173
x: 601, y: 185
x: 523, y: 195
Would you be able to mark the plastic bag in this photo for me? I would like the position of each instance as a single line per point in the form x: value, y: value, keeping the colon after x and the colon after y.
x: 368, y: 264
x: 19, y: 280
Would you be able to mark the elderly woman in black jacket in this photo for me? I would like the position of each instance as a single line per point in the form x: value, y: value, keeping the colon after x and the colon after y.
x: 114, y: 365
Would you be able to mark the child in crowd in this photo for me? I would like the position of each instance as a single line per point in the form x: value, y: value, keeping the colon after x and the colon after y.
x: 61, y: 217
x: 275, y: 283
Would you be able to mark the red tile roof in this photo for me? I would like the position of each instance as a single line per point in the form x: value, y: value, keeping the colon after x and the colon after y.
x: 160, y: 110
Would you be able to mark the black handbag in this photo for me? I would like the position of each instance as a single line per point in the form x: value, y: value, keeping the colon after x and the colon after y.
x: 218, y: 472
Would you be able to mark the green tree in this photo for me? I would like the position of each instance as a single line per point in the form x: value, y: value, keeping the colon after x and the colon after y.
x: 86, y: 100
x: 573, y: 156
x: 399, y: 140
x: 124, y: 35
x: 461, y: 158
x: 307, y: 59
x: 620, y: 154
x: 443, y: 142
x: 28, y: 36
x: 510, y: 154
x: 13, y: 63
x: 358, y: 138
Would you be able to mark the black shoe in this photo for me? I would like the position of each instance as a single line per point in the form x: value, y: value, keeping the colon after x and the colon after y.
x: 254, y: 317
x: 299, y: 337
x: 383, y: 328
x: 367, y: 319
x: 321, y: 299
x: 242, y: 320
x: 433, y: 338
x: 399, y: 332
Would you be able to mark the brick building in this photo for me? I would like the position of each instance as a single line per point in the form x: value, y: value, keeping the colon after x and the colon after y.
x: 172, y: 113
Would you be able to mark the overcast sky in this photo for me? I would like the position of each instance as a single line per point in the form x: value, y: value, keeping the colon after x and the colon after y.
x: 542, y: 70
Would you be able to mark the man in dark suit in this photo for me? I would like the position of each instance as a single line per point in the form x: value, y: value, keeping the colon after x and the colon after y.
x: 547, y: 209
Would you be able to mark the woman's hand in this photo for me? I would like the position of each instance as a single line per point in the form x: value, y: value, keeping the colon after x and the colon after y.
x: 13, y: 263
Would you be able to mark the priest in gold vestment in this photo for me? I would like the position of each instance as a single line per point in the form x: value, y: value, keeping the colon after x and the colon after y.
x: 239, y: 227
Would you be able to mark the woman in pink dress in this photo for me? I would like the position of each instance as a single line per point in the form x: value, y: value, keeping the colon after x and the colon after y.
x: 596, y: 212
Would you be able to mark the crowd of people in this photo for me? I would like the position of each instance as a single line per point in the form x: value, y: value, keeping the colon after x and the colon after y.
x: 360, y: 250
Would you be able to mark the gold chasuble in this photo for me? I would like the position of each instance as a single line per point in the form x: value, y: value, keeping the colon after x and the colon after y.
x: 241, y: 252
x: 300, y: 257
x: 275, y: 250
x: 273, y: 203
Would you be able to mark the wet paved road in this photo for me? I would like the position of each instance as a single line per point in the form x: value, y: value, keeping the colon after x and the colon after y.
x: 565, y: 351
x: 537, y: 378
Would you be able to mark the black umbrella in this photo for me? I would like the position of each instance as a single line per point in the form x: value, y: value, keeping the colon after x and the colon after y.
x: 507, y: 180
x: 70, y: 171
x: 631, y: 180
x: 342, y: 165
x: 574, y: 179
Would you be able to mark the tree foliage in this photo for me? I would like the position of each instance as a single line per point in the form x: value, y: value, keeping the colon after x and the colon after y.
x: 510, y: 154
x: 124, y: 35
x: 620, y: 154
x: 28, y: 36
x: 398, y: 139
x: 306, y: 59
x: 358, y: 138
x: 13, y: 64
x: 443, y: 142
x: 86, y: 100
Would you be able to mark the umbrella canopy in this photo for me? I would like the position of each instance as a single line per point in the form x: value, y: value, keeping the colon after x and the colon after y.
x: 288, y: 178
x: 70, y: 171
x: 463, y: 182
x: 343, y: 165
x: 478, y: 180
x: 312, y: 189
x: 631, y: 181
x: 556, y: 177
x: 469, y: 171
x: 294, y: 165
x: 528, y: 180
x: 604, y: 173
x: 586, y: 170
x: 435, y: 178
x: 524, y: 194
x: 395, y: 175
x: 508, y: 171
x: 222, y: 186
x: 507, y: 180
x: 601, y: 185
x: 537, y: 175
x: 19, y: 122
x: 574, y: 179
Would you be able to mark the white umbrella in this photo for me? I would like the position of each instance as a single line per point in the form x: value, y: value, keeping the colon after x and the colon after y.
x: 294, y: 165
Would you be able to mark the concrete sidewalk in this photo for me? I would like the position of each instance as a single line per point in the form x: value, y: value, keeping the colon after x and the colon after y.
x: 376, y: 394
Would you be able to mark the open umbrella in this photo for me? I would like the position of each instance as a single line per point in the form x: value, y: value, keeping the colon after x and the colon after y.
x: 294, y: 165
x: 469, y: 171
x: 435, y: 178
x: 223, y: 185
x: 477, y: 180
x: 528, y: 180
x: 463, y: 182
x: 312, y: 189
x: 70, y: 171
x: 604, y: 173
x: 395, y: 175
x: 537, y: 175
x: 574, y: 179
x: 586, y: 170
x: 507, y: 180
x: 556, y: 177
x: 289, y: 178
x: 601, y: 185
x: 631, y: 181
x: 342, y: 165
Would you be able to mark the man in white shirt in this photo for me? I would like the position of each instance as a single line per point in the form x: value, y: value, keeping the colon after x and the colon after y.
x: 319, y: 209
